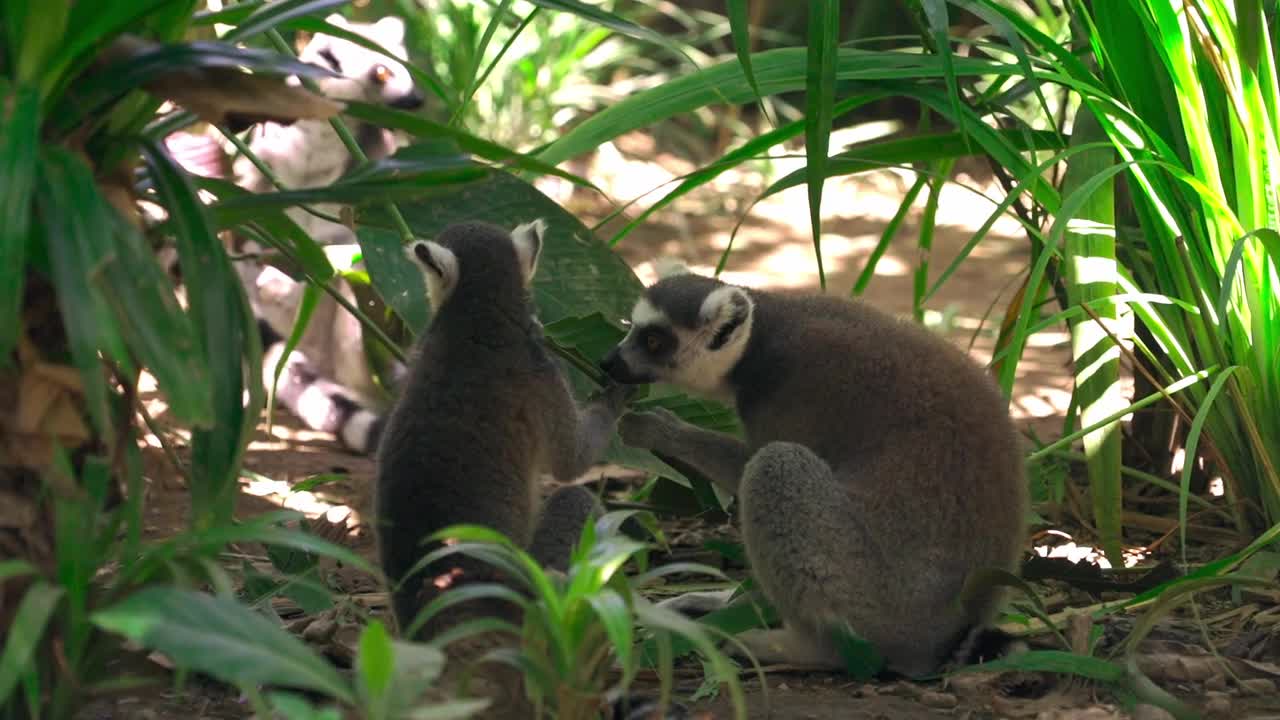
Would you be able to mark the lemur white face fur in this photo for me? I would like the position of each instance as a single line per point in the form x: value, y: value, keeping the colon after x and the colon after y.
x: 686, y: 330
x: 441, y: 268
x: 366, y: 75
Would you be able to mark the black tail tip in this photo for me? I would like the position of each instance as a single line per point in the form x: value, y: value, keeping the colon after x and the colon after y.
x: 985, y: 644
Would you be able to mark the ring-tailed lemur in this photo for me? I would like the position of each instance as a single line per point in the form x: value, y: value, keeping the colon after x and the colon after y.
x: 327, y: 382
x: 485, y: 409
x: 880, y: 466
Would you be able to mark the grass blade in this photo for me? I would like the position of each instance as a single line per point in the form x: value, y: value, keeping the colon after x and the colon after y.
x: 820, y: 90
x: 275, y: 13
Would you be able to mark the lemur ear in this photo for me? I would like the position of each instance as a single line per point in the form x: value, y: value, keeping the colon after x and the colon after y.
x: 528, y: 241
x: 439, y: 267
x: 391, y: 29
x: 665, y: 267
x: 726, y: 315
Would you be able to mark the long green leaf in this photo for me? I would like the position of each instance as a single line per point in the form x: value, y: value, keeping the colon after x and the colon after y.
x: 73, y: 216
x: 424, y: 128
x: 776, y: 71
x: 221, y: 637
x: 747, y: 151
x: 819, y: 95
x: 25, y: 633
x: 740, y: 28
x: 19, y: 142
x: 1090, y: 254
x: 228, y: 341
x: 276, y: 13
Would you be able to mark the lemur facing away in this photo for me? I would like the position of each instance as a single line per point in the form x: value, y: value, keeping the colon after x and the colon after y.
x: 880, y: 466
x: 327, y: 382
x: 485, y: 409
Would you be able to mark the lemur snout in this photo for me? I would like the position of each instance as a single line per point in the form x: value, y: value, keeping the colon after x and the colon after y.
x: 619, y: 370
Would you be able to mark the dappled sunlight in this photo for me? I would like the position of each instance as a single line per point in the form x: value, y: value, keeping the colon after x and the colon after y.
x: 1059, y: 544
x: 281, y: 493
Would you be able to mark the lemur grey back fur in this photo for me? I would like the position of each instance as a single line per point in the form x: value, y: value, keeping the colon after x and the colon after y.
x: 880, y: 465
x: 485, y: 409
x: 327, y: 381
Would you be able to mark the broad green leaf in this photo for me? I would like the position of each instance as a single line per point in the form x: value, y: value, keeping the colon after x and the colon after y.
x: 19, y: 144
x: 417, y: 666
x: 25, y: 632
x: 220, y: 637
x: 577, y: 273
x: 309, y: 591
x: 398, y: 281
x: 375, y: 663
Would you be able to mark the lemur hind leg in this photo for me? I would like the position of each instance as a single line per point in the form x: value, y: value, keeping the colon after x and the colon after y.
x: 806, y: 550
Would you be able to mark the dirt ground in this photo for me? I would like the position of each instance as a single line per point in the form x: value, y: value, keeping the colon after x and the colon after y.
x: 773, y: 250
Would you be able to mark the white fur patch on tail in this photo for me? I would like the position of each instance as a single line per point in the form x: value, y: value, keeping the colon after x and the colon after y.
x: 439, y: 267
x: 357, y: 431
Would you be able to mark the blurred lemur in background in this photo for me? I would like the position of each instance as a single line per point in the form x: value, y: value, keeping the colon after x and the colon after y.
x: 327, y: 381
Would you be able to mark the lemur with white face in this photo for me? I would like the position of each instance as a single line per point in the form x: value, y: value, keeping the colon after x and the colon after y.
x: 880, y: 465
x: 484, y: 410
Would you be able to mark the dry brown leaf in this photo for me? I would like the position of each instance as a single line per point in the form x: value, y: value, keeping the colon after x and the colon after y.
x: 226, y: 95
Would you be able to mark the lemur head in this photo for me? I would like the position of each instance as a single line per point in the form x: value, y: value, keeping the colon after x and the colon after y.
x: 367, y: 76
x: 478, y: 257
x: 687, y: 330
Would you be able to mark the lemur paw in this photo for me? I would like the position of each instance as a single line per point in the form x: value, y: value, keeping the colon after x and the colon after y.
x: 648, y: 430
x: 615, y: 396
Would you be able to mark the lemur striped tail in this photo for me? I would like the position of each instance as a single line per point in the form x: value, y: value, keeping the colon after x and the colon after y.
x: 321, y: 404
